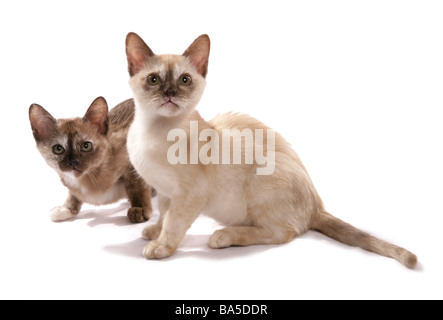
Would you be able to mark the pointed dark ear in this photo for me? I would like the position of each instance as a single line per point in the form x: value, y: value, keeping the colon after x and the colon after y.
x: 97, y: 115
x: 42, y: 123
x: 137, y: 52
x: 198, y: 52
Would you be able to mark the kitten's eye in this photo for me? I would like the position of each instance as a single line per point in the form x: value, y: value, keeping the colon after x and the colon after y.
x: 86, y: 146
x: 185, y: 80
x: 153, y: 80
x: 58, y: 149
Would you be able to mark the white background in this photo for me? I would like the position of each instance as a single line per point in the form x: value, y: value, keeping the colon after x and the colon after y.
x: 354, y: 86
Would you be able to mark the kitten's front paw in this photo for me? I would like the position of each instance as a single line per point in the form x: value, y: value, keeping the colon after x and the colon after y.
x: 138, y: 214
x: 61, y: 214
x: 151, y: 232
x: 220, y: 239
x: 156, y: 250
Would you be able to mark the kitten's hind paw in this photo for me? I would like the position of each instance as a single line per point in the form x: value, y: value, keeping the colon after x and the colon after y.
x: 61, y: 214
x: 220, y: 239
x: 138, y: 214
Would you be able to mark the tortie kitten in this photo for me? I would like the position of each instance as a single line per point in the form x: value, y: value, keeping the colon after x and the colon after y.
x: 91, y: 158
x: 256, y: 208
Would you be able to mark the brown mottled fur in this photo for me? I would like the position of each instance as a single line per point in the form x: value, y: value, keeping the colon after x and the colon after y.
x: 98, y: 176
x: 257, y: 209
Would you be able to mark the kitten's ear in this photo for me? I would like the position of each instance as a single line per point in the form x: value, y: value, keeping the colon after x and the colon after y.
x: 97, y: 115
x: 42, y: 123
x: 198, y: 52
x: 137, y: 52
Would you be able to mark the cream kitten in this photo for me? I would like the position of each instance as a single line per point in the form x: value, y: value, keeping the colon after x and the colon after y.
x: 257, y: 208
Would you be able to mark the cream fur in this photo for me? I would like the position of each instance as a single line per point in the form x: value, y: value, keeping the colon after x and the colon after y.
x: 257, y: 209
x: 61, y: 214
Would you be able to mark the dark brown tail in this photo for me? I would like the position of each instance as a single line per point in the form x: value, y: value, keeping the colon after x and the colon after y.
x: 344, y: 232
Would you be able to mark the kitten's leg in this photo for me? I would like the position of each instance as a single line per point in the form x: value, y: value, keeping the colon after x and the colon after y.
x: 178, y: 219
x: 250, y: 235
x: 153, y: 231
x: 68, y: 211
x: 139, y: 195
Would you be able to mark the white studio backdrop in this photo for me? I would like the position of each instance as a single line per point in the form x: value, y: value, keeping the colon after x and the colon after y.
x: 354, y: 86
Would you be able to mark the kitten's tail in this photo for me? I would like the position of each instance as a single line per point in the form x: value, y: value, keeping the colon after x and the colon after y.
x: 344, y: 232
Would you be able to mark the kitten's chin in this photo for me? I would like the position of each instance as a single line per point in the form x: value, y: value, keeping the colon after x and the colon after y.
x: 73, y: 173
x: 77, y: 173
x: 169, y: 109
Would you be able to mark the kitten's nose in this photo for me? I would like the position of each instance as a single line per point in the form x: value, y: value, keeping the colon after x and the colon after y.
x: 170, y: 92
x: 73, y: 163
